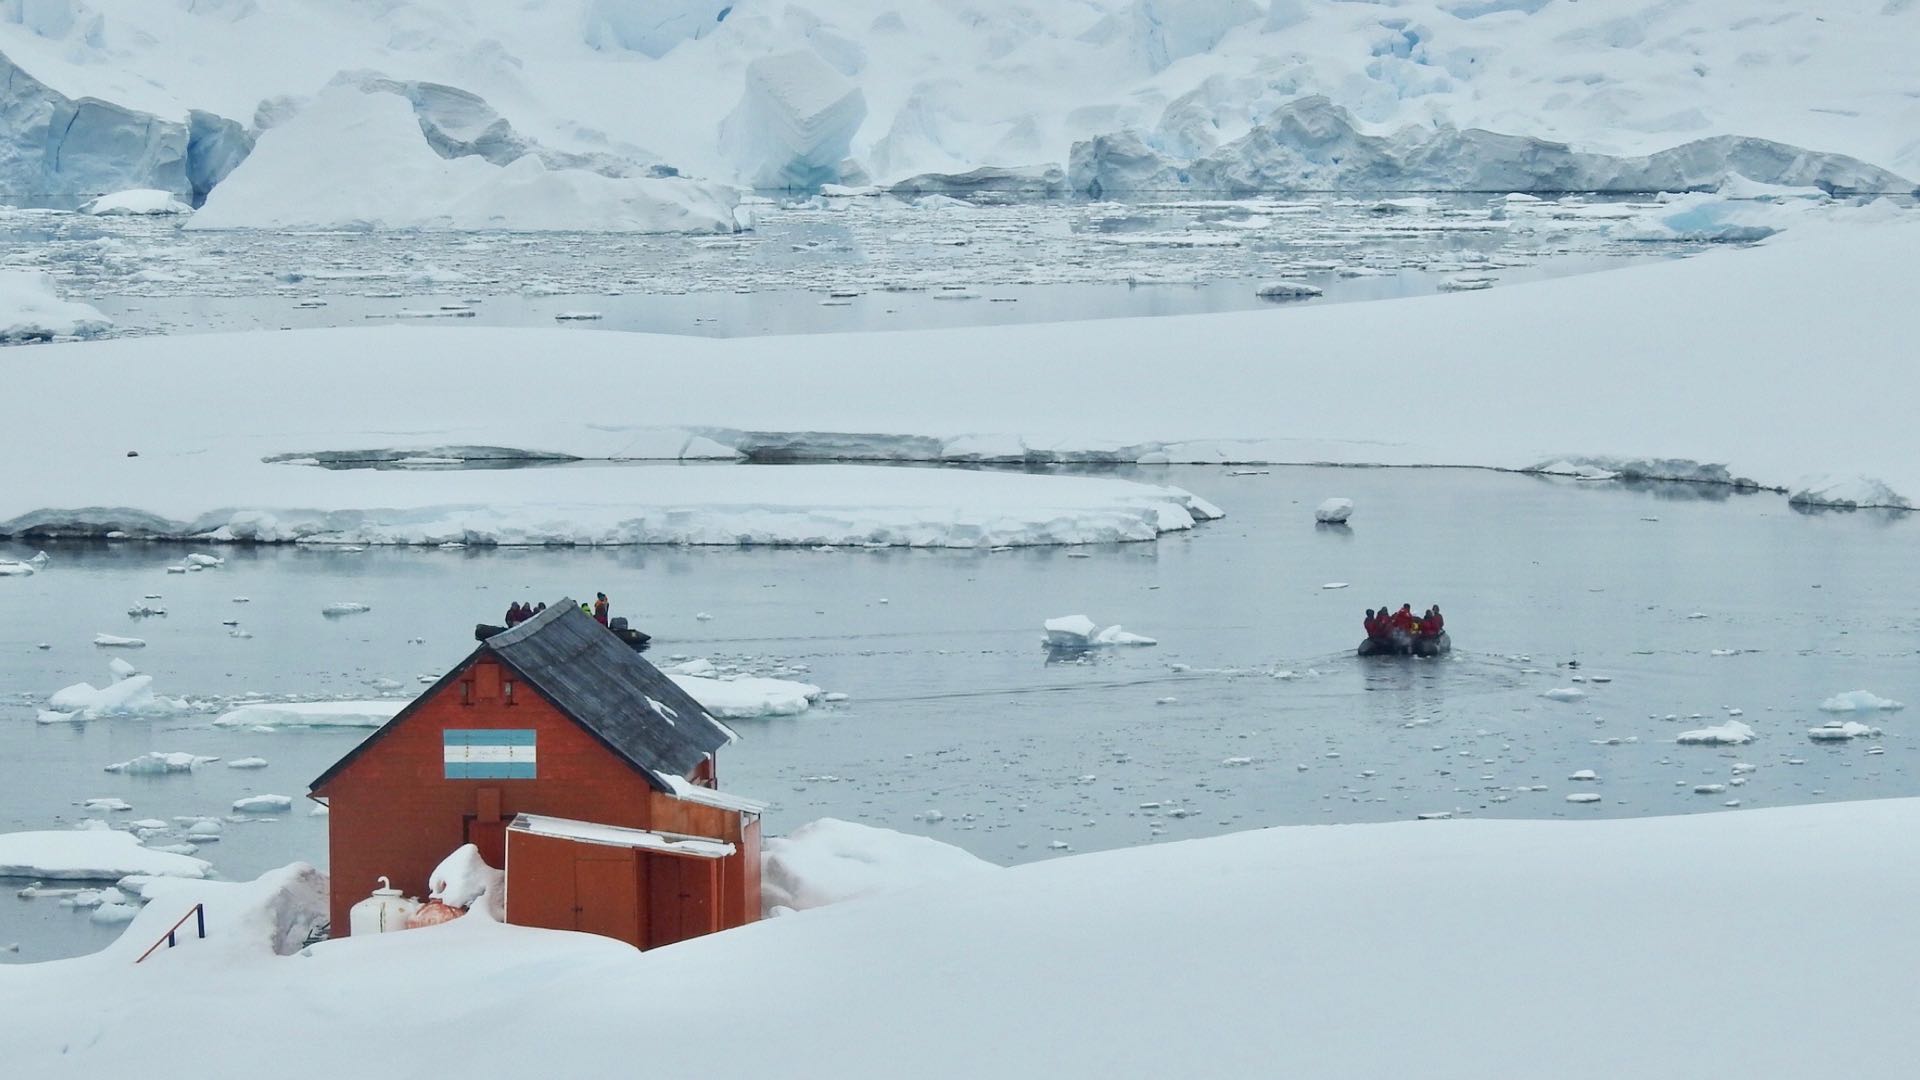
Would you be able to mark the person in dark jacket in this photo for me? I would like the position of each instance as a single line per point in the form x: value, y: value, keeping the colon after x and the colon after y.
x: 1434, y: 624
x: 515, y: 614
x: 1373, y: 626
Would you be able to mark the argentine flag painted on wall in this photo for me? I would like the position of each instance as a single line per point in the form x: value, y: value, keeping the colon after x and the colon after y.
x: 489, y: 754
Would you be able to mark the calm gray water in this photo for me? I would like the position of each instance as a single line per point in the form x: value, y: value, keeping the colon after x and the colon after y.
x: 956, y: 708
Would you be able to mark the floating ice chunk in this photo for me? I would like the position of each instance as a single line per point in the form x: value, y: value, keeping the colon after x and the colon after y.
x: 747, y: 697
x: 577, y: 316
x: 114, y: 914
x: 1842, y: 730
x: 205, y: 829
x: 31, y: 310
x: 247, y: 763
x: 89, y: 855
x: 1709, y: 789
x: 202, y: 559
x: 156, y: 763
x: 1334, y: 585
x: 310, y: 714
x: 114, y: 641
x: 14, y: 568
x: 1080, y: 632
x: 109, y: 805
x: 1731, y: 733
x: 1287, y: 290
x: 1333, y: 511
x: 130, y: 696
x: 137, y: 201
x: 1565, y: 693
x: 121, y: 668
x: 1584, y: 797
x: 1584, y: 774
x: 263, y: 804
x: 345, y: 607
x: 1859, y: 701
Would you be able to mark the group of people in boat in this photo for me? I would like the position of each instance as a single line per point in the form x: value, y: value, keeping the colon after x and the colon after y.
x: 600, y: 609
x: 1383, y: 624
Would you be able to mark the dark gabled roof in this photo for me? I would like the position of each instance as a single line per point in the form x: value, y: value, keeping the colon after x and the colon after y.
x: 596, y: 680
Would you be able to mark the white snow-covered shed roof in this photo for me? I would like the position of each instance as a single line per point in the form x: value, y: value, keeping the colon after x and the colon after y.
x: 589, y: 832
x: 688, y: 791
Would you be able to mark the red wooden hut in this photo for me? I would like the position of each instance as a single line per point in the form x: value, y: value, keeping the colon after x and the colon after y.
x: 569, y: 761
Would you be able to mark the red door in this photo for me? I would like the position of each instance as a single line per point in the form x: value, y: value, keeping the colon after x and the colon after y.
x: 606, y: 900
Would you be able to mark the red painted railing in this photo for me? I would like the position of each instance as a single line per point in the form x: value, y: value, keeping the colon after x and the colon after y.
x: 198, y: 913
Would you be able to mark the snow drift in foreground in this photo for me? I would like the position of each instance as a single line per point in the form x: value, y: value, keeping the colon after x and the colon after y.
x: 31, y: 310
x: 242, y: 499
x: 1087, y: 963
x: 313, y: 171
x: 829, y: 861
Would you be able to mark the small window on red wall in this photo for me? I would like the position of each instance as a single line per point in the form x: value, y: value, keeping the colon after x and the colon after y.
x: 466, y: 691
x: 506, y: 691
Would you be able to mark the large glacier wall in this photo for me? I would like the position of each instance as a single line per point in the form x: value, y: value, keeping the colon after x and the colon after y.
x: 1312, y: 144
x: 795, y: 122
x: 56, y: 150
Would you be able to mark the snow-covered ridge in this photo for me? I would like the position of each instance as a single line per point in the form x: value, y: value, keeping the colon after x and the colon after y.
x: 1314, y: 145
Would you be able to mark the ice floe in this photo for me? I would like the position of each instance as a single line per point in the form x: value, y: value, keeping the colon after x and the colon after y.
x: 1859, y: 701
x: 1080, y: 632
x: 89, y: 855
x: 278, y: 714
x: 1730, y: 733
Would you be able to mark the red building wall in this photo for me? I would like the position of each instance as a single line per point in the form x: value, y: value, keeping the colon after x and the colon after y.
x: 393, y: 812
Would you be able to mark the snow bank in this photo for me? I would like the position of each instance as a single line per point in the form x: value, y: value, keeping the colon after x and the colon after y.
x: 744, y: 697
x: 1859, y: 701
x: 463, y: 878
x: 1080, y: 632
x: 31, y: 310
x: 139, y: 201
x: 819, y: 396
x: 829, y: 861
x: 367, y: 714
x: 1731, y: 733
x: 243, y: 499
x: 312, y: 171
x: 89, y: 855
x: 1282, y: 987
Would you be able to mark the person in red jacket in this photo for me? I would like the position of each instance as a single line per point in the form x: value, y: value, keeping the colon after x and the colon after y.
x: 601, y: 607
x: 1403, y: 619
x: 1435, y: 624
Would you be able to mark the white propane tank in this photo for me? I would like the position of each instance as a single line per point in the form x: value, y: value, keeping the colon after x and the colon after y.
x: 385, y: 910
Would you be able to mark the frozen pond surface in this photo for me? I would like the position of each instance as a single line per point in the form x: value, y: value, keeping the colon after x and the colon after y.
x: 960, y: 727
x: 823, y: 265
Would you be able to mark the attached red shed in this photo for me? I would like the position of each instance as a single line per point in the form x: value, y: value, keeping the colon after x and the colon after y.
x: 560, y: 721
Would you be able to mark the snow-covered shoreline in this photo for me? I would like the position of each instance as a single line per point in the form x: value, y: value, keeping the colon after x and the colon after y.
x: 1278, y: 950
x: 1732, y: 365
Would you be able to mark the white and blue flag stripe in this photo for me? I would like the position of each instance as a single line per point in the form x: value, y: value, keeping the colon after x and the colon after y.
x: 489, y: 753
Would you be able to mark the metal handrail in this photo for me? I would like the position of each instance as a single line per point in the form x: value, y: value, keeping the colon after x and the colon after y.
x: 199, y: 914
